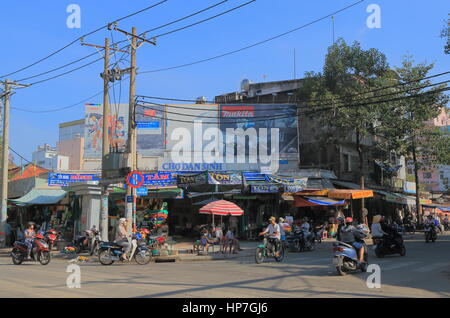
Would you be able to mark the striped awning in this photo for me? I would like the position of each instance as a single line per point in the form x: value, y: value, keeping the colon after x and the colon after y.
x: 221, y: 207
x: 305, y: 201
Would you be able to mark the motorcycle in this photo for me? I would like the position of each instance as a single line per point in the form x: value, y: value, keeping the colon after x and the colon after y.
x: 430, y: 233
x: 267, y: 249
x: 301, y: 241
x: 346, y: 258
x: 50, y: 237
x: 409, y: 228
x: 318, y: 231
x: 88, y: 242
x: 39, y: 251
x: 391, y: 244
x: 110, y: 252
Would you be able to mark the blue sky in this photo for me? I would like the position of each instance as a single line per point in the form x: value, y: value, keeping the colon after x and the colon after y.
x: 32, y: 29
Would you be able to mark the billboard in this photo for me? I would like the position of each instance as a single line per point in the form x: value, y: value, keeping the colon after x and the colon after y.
x: 151, y: 129
x: 93, y: 130
x: 187, y: 141
x: 267, y: 129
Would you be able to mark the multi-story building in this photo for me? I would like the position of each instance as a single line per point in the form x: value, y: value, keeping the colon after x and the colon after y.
x: 340, y: 157
x: 71, y: 143
x: 48, y: 158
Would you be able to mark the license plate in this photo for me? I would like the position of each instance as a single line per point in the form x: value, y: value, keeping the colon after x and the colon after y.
x: 337, y: 261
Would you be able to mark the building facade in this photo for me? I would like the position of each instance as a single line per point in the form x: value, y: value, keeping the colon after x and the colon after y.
x: 48, y: 158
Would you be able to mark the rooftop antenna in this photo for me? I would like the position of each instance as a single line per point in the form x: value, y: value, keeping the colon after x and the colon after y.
x: 332, y: 19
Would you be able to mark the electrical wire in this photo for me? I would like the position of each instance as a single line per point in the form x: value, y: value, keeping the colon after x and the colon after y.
x: 310, y: 100
x: 304, y: 101
x: 65, y: 107
x: 252, y: 45
x: 77, y: 39
x: 311, y: 112
x: 204, y: 20
x: 85, y: 65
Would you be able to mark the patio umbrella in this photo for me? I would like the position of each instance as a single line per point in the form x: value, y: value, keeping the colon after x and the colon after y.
x: 221, y: 207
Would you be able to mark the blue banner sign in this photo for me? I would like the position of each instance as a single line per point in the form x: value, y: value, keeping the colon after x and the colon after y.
x: 263, y: 188
x: 148, y: 125
x: 142, y: 191
x: 64, y: 179
x: 159, y: 180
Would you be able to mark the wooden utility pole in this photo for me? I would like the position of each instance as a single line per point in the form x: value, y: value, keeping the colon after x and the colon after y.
x: 105, y: 144
x: 106, y: 75
x: 5, y: 158
x: 132, y: 136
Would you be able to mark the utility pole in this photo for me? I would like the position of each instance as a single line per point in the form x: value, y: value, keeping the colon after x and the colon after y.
x: 105, y: 145
x: 130, y: 210
x: 106, y: 75
x: 5, y: 158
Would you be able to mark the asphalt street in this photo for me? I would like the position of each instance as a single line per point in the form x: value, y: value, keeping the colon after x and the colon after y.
x: 423, y: 272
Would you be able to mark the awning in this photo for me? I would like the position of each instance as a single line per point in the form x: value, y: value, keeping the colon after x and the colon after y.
x: 345, y: 184
x: 40, y: 197
x: 350, y: 194
x: 304, y: 201
x: 168, y: 193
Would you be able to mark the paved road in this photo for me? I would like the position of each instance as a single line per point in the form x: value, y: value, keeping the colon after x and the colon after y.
x: 423, y: 272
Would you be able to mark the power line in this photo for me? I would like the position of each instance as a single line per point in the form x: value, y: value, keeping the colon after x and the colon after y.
x: 253, y: 45
x: 90, y: 63
x: 183, y: 18
x: 307, y: 101
x: 204, y: 20
x: 77, y: 39
x: 65, y: 107
x: 311, y: 112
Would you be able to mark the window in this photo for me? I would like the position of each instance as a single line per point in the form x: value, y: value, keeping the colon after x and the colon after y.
x: 427, y: 175
x: 347, y: 163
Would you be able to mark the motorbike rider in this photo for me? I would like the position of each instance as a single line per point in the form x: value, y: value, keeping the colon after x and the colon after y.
x: 377, y: 231
x: 350, y: 235
x: 282, y: 231
x: 431, y: 221
x: 29, y: 234
x: 274, y: 234
x: 122, y: 237
x: 445, y: 222
x: 340, y: 221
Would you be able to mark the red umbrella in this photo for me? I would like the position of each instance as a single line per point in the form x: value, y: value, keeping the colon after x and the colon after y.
x: 222, y: 207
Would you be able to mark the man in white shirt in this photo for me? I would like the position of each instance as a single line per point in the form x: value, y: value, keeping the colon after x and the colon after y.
x: 274, y: 234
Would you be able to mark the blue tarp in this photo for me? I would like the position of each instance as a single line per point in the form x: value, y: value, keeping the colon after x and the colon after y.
x: 40, y: 197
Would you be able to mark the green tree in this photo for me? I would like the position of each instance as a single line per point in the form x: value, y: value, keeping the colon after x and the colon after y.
x: 349, y: 73
x: 403, y: 123
x: 445, y: 34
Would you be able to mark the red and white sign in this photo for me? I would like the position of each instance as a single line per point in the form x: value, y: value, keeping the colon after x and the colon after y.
x: 149, y: 113
x: 238, y: 111
x: 135, y: 179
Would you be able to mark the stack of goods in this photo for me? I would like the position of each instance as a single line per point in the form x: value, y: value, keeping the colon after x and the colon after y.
x: 158, y: 217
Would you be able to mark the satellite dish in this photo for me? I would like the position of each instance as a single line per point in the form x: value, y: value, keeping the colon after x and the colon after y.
x: 245, y: 85
x: 201, y: 100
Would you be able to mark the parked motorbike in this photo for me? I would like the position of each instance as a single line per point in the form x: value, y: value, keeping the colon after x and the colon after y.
x: 50, y: 237
x: 430, y: 233
x: 390, y: 244
x: 318, y: 231
x: 111, y: 252
x: 346, y: 258
x: 40, y: 251
x: 267, y: 249
x: 88, y: 242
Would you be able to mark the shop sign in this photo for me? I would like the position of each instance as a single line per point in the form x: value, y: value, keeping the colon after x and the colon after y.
x: 64, y: 179
x: 264, y: 188
x: 224, y: 178
x: 192, y: 179
x: 159, y: 180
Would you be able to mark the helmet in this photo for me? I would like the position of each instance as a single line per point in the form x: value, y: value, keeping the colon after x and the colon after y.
x: 348, y: 220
